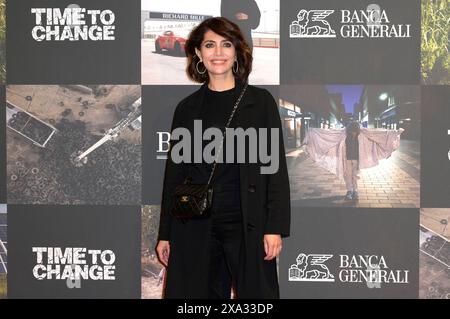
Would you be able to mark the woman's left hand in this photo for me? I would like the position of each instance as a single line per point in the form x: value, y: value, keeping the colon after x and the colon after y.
x: 272, y: 246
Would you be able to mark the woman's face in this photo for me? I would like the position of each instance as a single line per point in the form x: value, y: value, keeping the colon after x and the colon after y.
x: 217, y: 53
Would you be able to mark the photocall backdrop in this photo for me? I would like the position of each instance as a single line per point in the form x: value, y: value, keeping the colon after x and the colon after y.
x: 90, y: 91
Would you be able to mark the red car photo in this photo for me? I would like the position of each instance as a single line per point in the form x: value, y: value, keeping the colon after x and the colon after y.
x: 170, y: 42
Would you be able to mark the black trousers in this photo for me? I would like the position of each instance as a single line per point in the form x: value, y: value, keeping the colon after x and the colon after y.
x: 225, y: 242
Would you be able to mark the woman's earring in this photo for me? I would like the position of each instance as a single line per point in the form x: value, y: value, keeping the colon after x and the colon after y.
x: 236, y: 70
x: 196, y: 67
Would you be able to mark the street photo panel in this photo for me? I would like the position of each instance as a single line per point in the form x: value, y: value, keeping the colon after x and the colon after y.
x: 350, y: 42
x: 352, y: 145
x: 75, y: 144
x: 72, y: 42
x: 166, y: 24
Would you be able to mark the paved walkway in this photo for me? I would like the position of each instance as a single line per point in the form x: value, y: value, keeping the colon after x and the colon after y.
x: 393, y: 183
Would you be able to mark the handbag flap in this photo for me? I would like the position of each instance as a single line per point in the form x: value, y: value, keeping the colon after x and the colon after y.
x: 196, y: 190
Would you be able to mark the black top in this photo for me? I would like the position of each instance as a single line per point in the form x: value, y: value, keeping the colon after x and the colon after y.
x: 216, y: 109
x: 352, y: 147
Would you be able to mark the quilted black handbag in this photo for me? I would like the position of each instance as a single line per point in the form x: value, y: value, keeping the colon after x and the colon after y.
x: 195, y: 200
x: 192, y: 200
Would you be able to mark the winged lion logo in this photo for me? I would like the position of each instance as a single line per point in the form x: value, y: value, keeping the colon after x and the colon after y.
x: 312, y: 24
x: 310, y: 268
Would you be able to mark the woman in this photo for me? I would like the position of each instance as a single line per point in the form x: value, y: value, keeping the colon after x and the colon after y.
x: 344, y: 152
x: 352, y: 160
x: 251, y: 211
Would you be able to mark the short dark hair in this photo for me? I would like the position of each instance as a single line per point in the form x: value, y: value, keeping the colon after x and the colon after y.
x: 229, y: 31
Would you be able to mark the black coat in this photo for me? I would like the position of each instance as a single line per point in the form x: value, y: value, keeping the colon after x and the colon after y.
x: 265, y: 204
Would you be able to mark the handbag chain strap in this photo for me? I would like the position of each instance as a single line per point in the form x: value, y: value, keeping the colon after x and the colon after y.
x: 223, y: 133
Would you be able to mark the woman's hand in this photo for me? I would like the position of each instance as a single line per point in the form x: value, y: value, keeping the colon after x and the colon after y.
x: 241, y: 16
x: 272, y: 246
x: 163, y: 251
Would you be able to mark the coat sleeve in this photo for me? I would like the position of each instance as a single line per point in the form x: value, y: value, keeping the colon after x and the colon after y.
x: 278, y: 189
x: 174, y: 174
